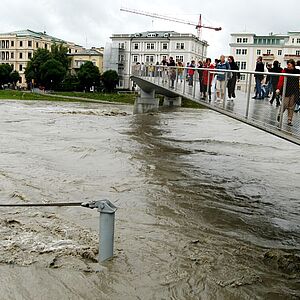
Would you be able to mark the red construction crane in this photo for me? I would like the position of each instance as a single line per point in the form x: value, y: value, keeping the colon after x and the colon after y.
x: 154, y: 15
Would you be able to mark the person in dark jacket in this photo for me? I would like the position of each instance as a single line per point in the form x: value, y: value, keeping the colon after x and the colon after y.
x: 274, y: 81
x: 234, y: 77
x: 258, y: 78
x: 292, y: 90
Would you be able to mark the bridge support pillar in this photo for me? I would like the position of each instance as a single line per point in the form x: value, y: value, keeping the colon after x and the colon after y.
x: 176, y: 101
x: 146, y: 102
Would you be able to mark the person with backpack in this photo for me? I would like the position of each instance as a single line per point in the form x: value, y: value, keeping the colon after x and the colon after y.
x: 274, y: 81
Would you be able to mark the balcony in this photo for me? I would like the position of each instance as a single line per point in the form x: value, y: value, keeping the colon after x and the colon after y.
x: 292, y: 56
x: 267, y: 56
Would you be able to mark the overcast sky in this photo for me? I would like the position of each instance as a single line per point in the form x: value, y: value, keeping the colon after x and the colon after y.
x: 91, y: 22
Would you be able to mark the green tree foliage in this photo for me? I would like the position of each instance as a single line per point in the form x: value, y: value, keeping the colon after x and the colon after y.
x: 52, y: 73
x: 110, y: 80
x: 33, y: 69
x: 59, y: 52
x: 5, y: 71
x: 37, y: 71
x: 88, y: 75
x: 14, y: 77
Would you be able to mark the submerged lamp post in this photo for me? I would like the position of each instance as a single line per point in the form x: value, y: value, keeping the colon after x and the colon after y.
x: 106, y: 227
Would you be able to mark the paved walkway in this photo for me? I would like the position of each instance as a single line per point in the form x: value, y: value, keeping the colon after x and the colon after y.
x: 261, y: 113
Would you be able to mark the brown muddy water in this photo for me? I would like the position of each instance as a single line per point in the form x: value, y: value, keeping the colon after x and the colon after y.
x: 208, y: 208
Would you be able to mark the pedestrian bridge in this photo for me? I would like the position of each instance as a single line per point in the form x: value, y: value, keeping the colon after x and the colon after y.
x: 258, y: 113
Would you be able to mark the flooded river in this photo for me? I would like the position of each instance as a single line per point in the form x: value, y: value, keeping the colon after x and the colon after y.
x: 208, y: 208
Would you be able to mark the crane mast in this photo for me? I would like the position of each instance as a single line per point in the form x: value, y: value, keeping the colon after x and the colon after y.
x: 168, y: 18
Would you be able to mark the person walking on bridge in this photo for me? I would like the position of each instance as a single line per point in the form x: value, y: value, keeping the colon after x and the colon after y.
x: 234, y: 77
x: 207, y: 78
x: 274, y: 81
x: 221, y: 84
x: 292, y: 90
x: 260, y: 67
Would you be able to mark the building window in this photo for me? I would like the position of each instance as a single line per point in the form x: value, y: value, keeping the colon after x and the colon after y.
x: 21, y: 55
x: 46, y: 46
x: 20, y: 68
x: 135, y: 58
x: 298, y: 41
x: 7, y: 44
x: 279, y: 52
x: 165, y: 46
x: 297, y: 52
x: 150, y: 46
x: 238, y: 51
x: 136, y: 46
x: 179, y: 58
x: 29, y: 43
x: 180, y: 46
x: 149, y: 58
x: 21, y: 43
x: 239, y: 40
x: 36, y: 44
x: 268, y: 52
x: 121, y: 58
x: 242, y: 65
x: 293, y: 40
x: 7, y: 55
x: 12, y: 55
x: 242, y: 77
x: 245, y: 40
x: 70, y: 50
x: 121, y: 45
x: 12, y: 43
x: 29, y: 55
x: 258, y: 52
x: 164, y: 57
x: 244, y: 51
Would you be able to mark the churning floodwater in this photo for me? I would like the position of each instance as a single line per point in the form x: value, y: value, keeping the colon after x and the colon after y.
x: 208, y: 207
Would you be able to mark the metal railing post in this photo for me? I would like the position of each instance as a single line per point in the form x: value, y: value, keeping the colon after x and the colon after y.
x: 208, y: 85
x: 176, y: 78
x: 184, y: 80
x: 224, y: 96
x: 282, y: 102
x: 248, y: 96
x: 194, y: 84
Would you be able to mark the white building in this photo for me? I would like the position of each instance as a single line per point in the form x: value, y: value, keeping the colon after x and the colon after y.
x: 246, y: 47
x: 149, y: 48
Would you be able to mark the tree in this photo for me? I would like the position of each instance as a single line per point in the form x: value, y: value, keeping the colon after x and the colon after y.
x: 5, y: 70
x: 59, y: 52
x: 88, y: 75
x: 52, y: 73
x: 33, y: 69
x: 14, y: 77
x: 110, y: 79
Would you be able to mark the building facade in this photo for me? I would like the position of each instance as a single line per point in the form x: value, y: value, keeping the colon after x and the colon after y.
x: 246, y: 47
x: 17, y: 48
x: 150, y: 47
x: 95, y: 55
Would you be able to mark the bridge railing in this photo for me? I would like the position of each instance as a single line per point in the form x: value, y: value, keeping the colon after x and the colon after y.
x: 249, y: 95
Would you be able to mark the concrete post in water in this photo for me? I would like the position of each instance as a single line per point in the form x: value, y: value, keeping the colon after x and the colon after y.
x: 106, y: 229
x: 170, y: 101
x: 146, y: 102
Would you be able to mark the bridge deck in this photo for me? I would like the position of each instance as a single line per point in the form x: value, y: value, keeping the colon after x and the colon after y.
x: 258, y: 113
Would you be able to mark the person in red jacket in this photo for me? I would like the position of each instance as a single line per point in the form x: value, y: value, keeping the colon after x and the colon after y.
x: 207, y: 81
x: 292, y: 90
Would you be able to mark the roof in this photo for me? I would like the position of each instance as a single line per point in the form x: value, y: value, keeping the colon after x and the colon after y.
x: 31, y: 33
x: 87, y: 52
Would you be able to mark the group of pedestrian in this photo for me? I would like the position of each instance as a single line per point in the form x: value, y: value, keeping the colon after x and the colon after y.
x: 274, y: 84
